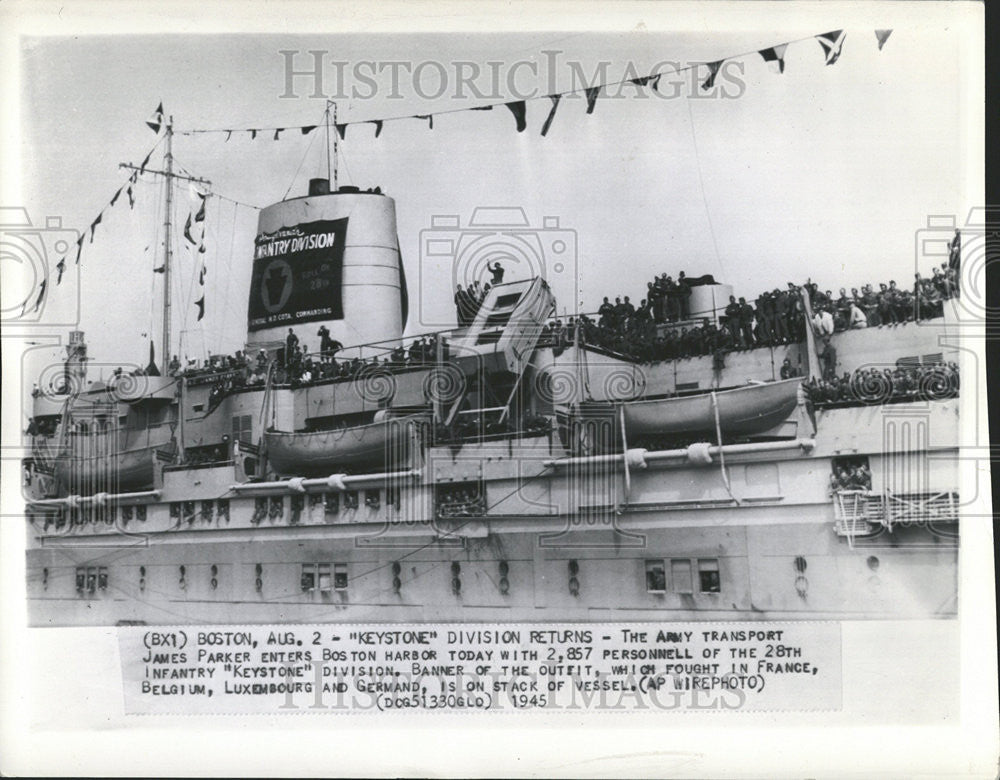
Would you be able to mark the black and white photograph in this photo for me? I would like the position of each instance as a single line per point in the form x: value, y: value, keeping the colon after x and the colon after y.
x: 382, y: 373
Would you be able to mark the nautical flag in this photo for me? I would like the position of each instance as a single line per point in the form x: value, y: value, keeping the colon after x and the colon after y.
x: 341, y: 130
x: 115, y: 198
x: 253, y: 134
x: 481, y: 108
x: 201, y: 276
x: 41, y: 294
x: 187, y: 230
x: 93, y: 226
x: 378, y: 127
x: 200, y: 216
x: 151, y: 369
x: 308, y: 129
x: 200, y: 303
x: 60, y: 267
x: 882, y: 36
x: 775, y: 57
x: 517, y: 109
x: 133, y: 177
x: 79, y: 248
x: 277, y: 132
x: 428, y: 117
x: 131, y: 200
x: 642, y: 81
x: 591, y: 93
x: 142, y: 168
x: 831, y: 43
x: 229, y: 134
x: 552, y: 113
x: 713, y: 71
x: 156, y: 120
x: 161, y: 270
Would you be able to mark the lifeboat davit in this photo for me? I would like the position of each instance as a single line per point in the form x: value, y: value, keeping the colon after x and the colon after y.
x: 742, y: 410
x: 384, y: 441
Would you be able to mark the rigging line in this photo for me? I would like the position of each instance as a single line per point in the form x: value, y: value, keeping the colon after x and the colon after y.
x: 188, y: 299
x: 157, y: 224
x: 704, y: 198
x: 211, y: 190
x: 312, y: 141
x: 582, y: 90
x: 225, y: 298
x: 342, y: 154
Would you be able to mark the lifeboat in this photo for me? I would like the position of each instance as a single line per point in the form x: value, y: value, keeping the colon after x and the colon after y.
x: 383, y: 441
x: 742, y: 410
x: 107, y: 472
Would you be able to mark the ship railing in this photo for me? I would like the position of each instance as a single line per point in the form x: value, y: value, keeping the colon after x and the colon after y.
x: 857, y: 513
x: 920, y: 508
x: 864, y: 513
x: 382, y: 348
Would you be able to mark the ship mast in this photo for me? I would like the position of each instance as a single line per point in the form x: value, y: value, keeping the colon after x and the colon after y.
x: 168, y: 163
x: 168, y: 179
x: 331, y: 156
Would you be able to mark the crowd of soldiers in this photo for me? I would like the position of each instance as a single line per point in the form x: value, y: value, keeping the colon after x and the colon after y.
x: 461, y: 501
x: 468, y: 300
x: 296, y: 365
x: 851, y: 474
x: 931, y: 381
x: 775, y: 317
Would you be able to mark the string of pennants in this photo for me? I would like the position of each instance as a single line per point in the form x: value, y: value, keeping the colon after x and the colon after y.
x: 128, y: 187
x: 830, y: 42
x: 194, y: 226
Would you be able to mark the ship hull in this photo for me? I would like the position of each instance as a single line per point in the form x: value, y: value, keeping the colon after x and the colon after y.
x: 758, y: 565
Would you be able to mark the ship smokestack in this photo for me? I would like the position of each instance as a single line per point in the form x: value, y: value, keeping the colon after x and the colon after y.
x: 327, y: 259
x: 319, y: 186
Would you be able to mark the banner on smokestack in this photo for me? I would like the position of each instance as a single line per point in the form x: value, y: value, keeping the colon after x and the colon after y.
x: 297, y: 273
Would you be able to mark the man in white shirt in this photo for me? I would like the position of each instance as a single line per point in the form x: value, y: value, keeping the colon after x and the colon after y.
x: 823, y: 323
x: 858, y: 318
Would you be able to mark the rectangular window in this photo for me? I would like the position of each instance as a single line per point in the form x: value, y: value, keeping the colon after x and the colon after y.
x: 323, y: 576
x: 91, y: 578
x: 708, y: 575
x: 656, y: 577
x: 680, y: 573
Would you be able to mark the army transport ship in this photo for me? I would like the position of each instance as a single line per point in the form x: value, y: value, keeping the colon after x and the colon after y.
x: 504, y: 470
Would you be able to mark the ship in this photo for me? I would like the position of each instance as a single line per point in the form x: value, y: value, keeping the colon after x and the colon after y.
x: 507, y: 469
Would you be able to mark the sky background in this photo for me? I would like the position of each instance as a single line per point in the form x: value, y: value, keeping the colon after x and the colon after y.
x: 824, y: 171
